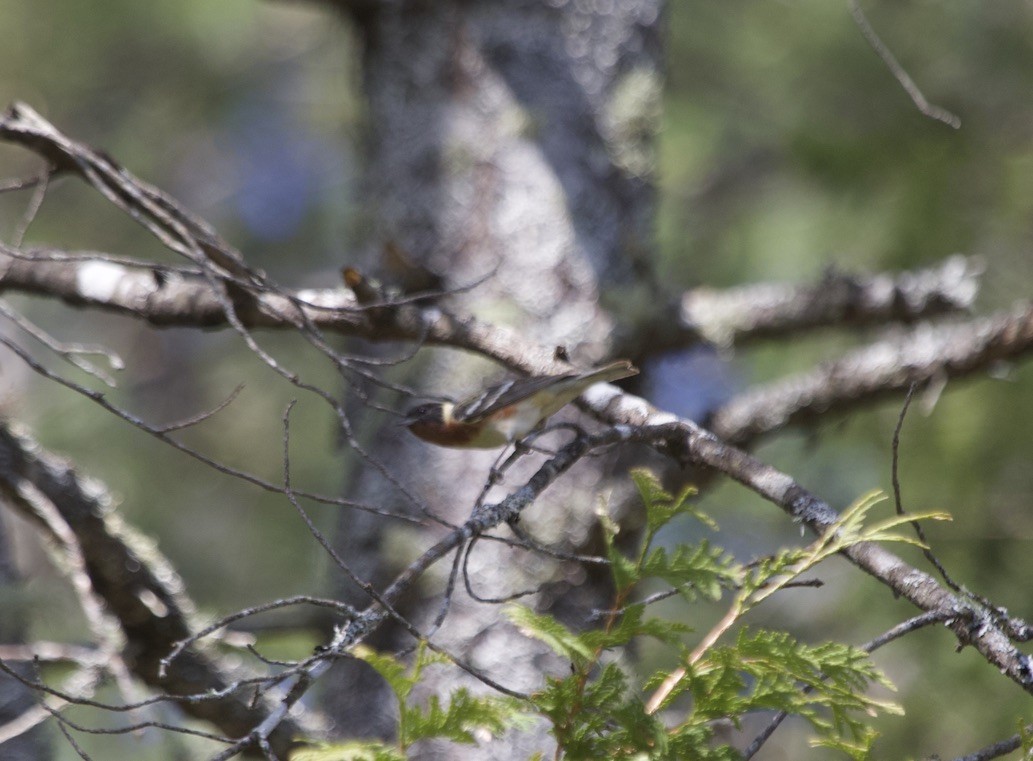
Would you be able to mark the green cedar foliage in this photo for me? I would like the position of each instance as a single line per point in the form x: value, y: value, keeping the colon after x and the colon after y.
x: 601, y: 710
x: 457, y: 721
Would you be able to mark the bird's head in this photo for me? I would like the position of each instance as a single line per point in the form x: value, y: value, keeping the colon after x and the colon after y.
x: 432, y: 413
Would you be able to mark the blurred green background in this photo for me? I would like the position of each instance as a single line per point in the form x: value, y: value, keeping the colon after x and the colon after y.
x: 786, y: 148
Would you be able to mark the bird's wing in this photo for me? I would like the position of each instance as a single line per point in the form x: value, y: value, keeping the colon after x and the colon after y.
x: 497, y: 397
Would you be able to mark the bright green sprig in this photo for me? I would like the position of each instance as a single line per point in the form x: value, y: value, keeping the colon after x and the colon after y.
x: 599, y: 709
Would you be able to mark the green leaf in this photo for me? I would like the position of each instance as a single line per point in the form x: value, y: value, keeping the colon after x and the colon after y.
x: 778, y: 666
x: 625, y: 571
x: 1026, y: 738
x: 348, y: 751
x: 630, y: 624
x: 859, y: 749
x: 649, y: 487
x: 666, y: 631
x: 694, y: 569
x: 597, y: 711
x: 550, y: 631
x: 604, y: 719
x: 393, y: 671
x: 464, y: 714
x: 880, y: 531
x: 661, y: 506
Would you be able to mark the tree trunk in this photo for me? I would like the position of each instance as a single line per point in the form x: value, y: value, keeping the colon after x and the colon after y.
x: 514, y: 139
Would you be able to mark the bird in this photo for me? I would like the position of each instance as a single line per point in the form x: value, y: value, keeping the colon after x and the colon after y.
x: 506, y: 413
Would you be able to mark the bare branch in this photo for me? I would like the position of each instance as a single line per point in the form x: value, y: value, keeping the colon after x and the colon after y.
x: 928, y: 353
x: 67, y: 546
x: 38, y: 194
x: 685, y: 440
x: 160, y: 433
x: 225, y: 621
x: 171, y: 298
x: 71, y: 353
x: 898, y: 500
x: 25, y: 721
x: 736, y: 316
x: 179, y: 230
x: 166, y: 297
x: 138, y: 586
x: 997, y: 749
x: 53, y: 652
x: 23, y: 183
x: 772, y: 310
x: 483, y: 518
x: 225, y: 291
x: 202, y: 416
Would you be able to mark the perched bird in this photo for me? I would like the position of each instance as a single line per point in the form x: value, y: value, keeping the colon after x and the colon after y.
x: 506, y: 413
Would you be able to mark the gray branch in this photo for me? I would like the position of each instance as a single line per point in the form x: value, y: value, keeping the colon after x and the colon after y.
x: 138, y: 585
x: 927, y: 354
x: 690, y: 443
x: 737, y: 316
x: 772, y: 310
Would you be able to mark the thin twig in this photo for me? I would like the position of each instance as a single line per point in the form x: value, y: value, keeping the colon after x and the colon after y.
x: 71, y: 353
x: 202, y: 416
x: 101, y: 400
x: 490, y: 600
x: 599, y: 613
x: 23, y: 183
x: 38, y: 194
x: 898, y: 503
x: 1016, y: 628
x: 898, y: 72
x: 225, y: 621
x: 446, y: 600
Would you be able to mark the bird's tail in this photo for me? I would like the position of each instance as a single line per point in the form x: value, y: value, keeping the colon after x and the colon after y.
x: 622, y: 368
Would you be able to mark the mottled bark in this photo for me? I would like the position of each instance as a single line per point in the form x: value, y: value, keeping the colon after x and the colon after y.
x: 516, y: 138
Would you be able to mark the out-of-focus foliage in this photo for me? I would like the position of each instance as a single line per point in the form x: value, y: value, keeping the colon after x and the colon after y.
x: 242, y: 111
x: 787, y: 148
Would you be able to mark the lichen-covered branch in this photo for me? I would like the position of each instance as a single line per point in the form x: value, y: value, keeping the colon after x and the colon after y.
x: 139, y: 587
x: 734, y: 316
x: 971, y: 624
x: 927, y: 354
x: 728, y: 317
x: 167, y: 297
